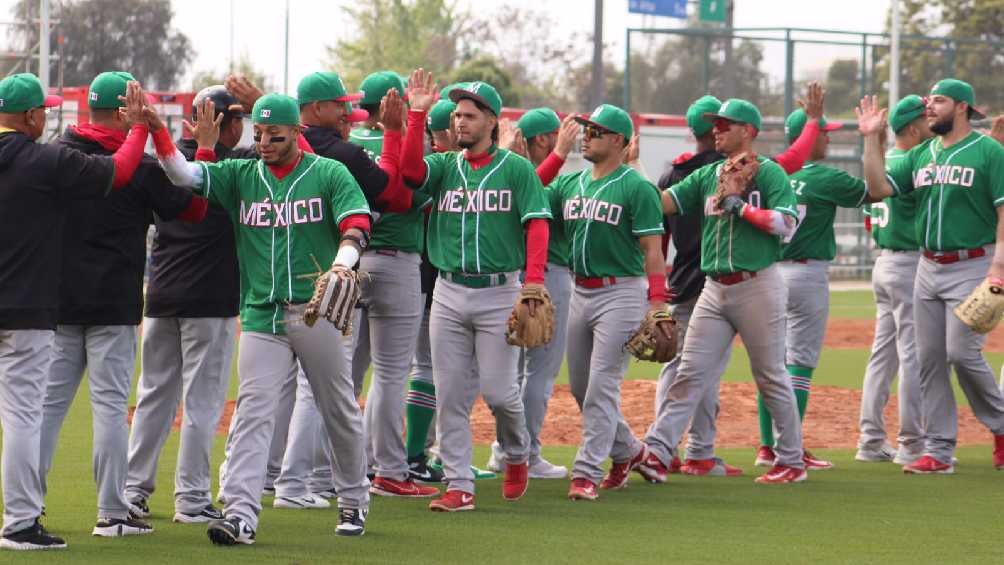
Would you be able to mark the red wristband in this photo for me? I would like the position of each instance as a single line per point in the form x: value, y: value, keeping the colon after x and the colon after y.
x: 657, y: 287
x: 202, y: 154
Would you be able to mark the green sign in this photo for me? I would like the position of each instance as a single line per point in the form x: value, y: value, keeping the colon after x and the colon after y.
x: 713, y: 10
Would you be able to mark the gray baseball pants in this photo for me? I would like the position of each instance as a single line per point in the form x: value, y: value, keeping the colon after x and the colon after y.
x: 467, y: 326
x: 943, y: 341
x: 108, y: 353
x: 600, y: 321
x: 184, y: 360
x: 701, y: 435
x: 894, y: 349
x: 755, y: 309
x: 306, y: 465
x: 264, y: 361
x: 25, y: 356
x: 808, y: 287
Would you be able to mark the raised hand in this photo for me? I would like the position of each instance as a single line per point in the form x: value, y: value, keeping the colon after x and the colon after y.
x: 511, y: 138
x: 206, y: 130
x: 813, y: 101
x: 135, y: 103
x: 392, y: 111
x: 422, y: 90
x: 871, y: 118
x: 245, y: 91
x: 632, y: 151
x: 997, y: 129
x: 567, y: 135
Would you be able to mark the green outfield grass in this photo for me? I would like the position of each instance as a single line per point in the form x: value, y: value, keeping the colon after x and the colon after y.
x: 856, y: 513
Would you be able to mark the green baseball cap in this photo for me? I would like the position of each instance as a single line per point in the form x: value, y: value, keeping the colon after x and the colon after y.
x: 318, y: 87
x: 737, y: 110
x: 376, y: 85
x: 796, y: 121
x: 439, y: 115
x: 610, y: 118
x: 960, y: 91
x: 906, y: 111
x: 444, y: 93
x: 538, y: 121
x: 22, y: 92
x: 276, y: 110
x: 481, y: 92
x: 106, y: 88
x: 695, y: 114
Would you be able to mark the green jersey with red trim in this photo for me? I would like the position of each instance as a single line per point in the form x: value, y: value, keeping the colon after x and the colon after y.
x: 819, y: 191
x: 557, y: 242
x: 894, y: 220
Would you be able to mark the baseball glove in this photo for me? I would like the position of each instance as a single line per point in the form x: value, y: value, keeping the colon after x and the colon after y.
x: 335, y: 295
x: 524, y: 329
x: 982, y: 310
x: 735, y: 175
x: 655, y: 339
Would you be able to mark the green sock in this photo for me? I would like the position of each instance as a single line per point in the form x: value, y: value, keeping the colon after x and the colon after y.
x: 801, y: 381
x: 766, y: 424
x: 419, y: 409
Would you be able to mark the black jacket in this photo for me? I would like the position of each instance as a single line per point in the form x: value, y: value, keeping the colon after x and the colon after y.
x: 104, y: 242
x: 193, y: 267
x: 686, y: 279
x: 326, y: 142
x: 36, y: 183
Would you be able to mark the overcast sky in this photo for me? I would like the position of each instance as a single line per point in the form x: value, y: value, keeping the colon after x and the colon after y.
x: 258, y: 28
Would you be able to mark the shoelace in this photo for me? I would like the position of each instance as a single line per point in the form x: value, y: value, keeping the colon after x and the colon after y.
x: 350, y: 515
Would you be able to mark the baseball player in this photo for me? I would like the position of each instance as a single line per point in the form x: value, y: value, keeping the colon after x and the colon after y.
x: 189, y: 333
x: 548, y: 143
x: 686, y: 279
x: 959, y: 177
x: 611, y: 216
x: 369, y: 135
x: 804, y: 266
x: 485, y: 197
x: 38, y: 182
x: 101, y: 300
x: 893, y: 227
x: 741, y: 239
x: 292, y: 210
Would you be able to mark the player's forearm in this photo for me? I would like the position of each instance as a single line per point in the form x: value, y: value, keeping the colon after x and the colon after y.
x: 793, y: 158
x: 668, y: 204
x: 655, y: 270
x: 178, y: 170
x: 874, y: 169
x: 997, y: 263
x: 395, y: 196
x: 769, y: 221
x: 549, y: 168
x: 129, y: 154
x: 355, y: 236
x: 412, y: 162
x: 538, y: 233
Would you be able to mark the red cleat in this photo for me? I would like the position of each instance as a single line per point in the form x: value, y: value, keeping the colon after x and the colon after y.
x: 675, y: 466
x: 765, y: 456
x: 813, y: 463
x: 617, y: 477
x: 652, y: 469
x: 781, y: 475
x: 453, y: 501
x: 515, y: 482
x: 582, y: 489
x: 713, y: 467
x: 999, y: 452
x: 928, y: 465
x: 407, y: 488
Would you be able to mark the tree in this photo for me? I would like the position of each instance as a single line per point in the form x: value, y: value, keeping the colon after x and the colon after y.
x: 842, y: 87
x: 243, y: 66
x: 485, y: 68
x: 105, y: 35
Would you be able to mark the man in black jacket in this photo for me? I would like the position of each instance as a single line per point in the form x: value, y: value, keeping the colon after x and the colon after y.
x: 37, y: 183
x: 101, y: 299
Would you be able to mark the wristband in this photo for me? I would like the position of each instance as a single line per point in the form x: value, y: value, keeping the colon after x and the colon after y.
x: 347, y: 256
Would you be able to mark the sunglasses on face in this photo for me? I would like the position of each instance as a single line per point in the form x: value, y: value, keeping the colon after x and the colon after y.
x: 722, y: 125
x: 593, y: 132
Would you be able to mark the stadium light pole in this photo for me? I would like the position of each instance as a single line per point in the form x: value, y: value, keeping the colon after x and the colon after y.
x: 43, y: 43
x: 894, y: 56
x: 596, y: 90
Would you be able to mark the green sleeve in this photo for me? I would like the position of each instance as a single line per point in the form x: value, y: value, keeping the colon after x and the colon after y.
x: 847, y: 191
x: 776, y: 189
x: 346, y: 197
x: 687, y: 193
x: 646, y: 208
x: 866, y: 210
x: 435, y: 166
x: 218, y: 184
x: 531, y: 200
x: 899, y: 171
x: 995, y: 158
x: 420, y: 200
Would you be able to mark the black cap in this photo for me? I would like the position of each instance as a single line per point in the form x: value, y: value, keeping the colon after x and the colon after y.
x: 225, y: 102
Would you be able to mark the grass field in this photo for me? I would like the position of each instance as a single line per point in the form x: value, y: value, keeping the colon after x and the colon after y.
x: 856, y: 513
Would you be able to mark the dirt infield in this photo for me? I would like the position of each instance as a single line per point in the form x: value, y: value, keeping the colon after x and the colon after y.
x: 845, y: 333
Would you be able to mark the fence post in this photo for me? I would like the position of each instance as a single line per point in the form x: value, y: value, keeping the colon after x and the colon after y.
x: 789, y: 71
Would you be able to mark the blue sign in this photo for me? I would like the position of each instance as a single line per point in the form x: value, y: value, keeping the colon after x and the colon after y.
x: 670, y: 8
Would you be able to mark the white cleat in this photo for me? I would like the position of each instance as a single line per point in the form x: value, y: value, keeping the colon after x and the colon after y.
x: 544, y: 469
x: 305, y: 502
x: 881, y: 454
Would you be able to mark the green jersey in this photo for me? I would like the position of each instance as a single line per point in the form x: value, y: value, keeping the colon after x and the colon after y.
x: 284, y: 228
x: 476, y: 225
x: 819, y: 190
x: 958, y: 190
x: 893, y: 220
x: 369, y: 139
x: 604, y: 217
x: 730, y: 244
x: 557, y: 242
x: 406, y: 231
